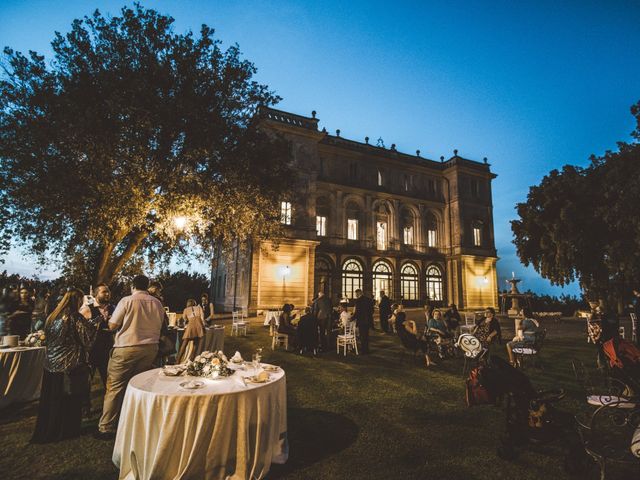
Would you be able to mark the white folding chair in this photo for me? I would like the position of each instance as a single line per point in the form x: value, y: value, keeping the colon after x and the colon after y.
x: 348, y: 339
x: 238, y: 325
x: 469, y: 322
x: 279, y: 339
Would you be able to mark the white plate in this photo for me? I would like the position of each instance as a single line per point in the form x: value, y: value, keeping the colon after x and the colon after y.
x: 192, y: 384
x: 271, y: 368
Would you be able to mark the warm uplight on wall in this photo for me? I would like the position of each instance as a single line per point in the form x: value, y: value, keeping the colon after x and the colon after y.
x: 482, y: 281
x: 180, y: 222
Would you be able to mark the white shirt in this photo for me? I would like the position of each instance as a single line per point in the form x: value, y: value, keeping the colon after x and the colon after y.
x: 140, y: 317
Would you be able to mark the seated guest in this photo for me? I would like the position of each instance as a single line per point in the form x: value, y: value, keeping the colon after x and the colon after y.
x: 65, y: 381
x: 408, y: 333
x: 307, y: 332
x: 193, y: 332
x: 285, y: 326
x: 487, y: 330
x: 436, y: 325
x: 452, y: 320
x: 428, y: 311
x: 437, y: 332
x: 529, y: 327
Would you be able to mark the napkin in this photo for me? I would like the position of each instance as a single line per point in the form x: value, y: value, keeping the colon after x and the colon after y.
x: 261, y: 377
x: 237, y: 358
x: 635, y: 443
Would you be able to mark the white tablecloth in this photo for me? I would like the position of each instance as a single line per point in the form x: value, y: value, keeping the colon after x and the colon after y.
x: 225, y: 430
x: 272, y: 314
x: 20, y: 374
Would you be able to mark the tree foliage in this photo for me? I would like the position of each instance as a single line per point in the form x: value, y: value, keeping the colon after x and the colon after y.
x: 584, y: 223
x: 128, y: 127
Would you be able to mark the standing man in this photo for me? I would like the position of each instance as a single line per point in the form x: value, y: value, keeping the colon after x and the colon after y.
x: 99, y: 353
x: 322, y: 310
x: 384, y: 307
x: 363, y: 314
x: 139, y: 318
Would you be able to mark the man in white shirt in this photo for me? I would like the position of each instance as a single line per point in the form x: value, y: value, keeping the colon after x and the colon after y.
x: 139, y: 320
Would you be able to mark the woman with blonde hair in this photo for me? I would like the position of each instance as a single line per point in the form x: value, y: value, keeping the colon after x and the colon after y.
x: 193, y: 332
x: 65, y: 382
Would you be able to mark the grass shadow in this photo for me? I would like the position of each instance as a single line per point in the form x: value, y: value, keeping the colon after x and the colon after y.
x: 314, y: 435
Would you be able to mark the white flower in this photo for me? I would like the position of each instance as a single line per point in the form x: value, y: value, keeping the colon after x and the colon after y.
x: 207, y: 354
x: 202, y: 360
x: 207, y: 369
x: 198, y: 358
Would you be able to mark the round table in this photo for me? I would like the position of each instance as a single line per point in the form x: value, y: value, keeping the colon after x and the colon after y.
x: 225, y: 430
x: 20, y: 374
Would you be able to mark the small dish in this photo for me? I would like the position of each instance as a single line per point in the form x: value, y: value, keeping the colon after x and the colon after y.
x: 271, y: 368
x: 192, y: 384
x: 173, y: 370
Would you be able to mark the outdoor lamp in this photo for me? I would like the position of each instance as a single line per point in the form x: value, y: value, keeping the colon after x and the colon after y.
x: 285, y: 271
x: 180, y: 222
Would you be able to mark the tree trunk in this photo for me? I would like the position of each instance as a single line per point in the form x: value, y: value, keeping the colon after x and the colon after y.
x: 110, y: 265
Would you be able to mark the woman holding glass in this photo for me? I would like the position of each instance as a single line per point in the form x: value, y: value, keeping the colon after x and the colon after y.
x: 193, y: 332
x: 65, y: 382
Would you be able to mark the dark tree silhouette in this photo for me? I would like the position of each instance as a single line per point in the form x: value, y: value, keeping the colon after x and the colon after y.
x: 129, y: 127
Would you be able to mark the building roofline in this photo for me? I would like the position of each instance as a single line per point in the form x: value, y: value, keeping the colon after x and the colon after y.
x: 311, y: 123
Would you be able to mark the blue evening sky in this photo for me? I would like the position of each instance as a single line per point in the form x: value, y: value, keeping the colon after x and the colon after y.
x: 530, y: 85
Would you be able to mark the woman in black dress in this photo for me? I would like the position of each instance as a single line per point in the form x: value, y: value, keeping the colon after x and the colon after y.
x: 65, y: 382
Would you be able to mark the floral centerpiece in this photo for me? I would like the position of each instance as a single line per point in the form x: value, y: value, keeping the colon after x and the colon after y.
x: 35, y: 339
x: 209, y: 365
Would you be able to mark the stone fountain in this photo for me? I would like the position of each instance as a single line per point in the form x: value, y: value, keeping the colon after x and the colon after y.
x: 515, y: 296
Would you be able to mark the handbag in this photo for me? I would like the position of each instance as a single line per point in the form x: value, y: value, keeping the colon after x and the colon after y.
x: 476, y: 393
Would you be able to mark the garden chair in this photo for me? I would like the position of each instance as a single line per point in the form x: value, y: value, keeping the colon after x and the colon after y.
x: 634, y: 327
x: 531, y: 351
x: 612, y: 436
x: 238, y: 325
x: 280, y: 339
x: 347, y: 339
x: 472, y: 349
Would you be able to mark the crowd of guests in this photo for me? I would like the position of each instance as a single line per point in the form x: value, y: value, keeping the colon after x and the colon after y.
x: 118, y: 341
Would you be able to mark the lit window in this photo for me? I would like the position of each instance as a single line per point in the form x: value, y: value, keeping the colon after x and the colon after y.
x: 431, y: 237
x: 379, y: 178
x: 477, y: 236
x: 351, y: 278
x: 381, y: 237
x: 409, y: 282
x: 321, y: 226
x: 434, y: 283
x: 352, y: 229
x: 408, y: 235
x: 285, y: 213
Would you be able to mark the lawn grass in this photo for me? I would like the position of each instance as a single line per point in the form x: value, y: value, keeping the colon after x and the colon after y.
x: 367, y: 417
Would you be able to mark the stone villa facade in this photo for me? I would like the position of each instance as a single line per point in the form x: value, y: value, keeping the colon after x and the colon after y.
x: 367, y: 216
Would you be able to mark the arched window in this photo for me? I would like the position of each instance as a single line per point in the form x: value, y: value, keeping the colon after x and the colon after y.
x: 432, y: 231
x: 353, y: 221
x: 409, y: 282
x: 323, y: 276
x: 322, y: 214
x: 407, y: 227
x: 351, y: 278
x: 382, y: 279
x: 434, y: 283
x: 477, y: 233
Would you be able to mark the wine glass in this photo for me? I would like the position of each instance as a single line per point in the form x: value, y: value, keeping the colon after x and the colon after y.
x: 255, y: 360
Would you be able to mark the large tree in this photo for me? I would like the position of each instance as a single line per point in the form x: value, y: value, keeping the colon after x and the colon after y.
x: 583, y: 223
x: 129, y: 127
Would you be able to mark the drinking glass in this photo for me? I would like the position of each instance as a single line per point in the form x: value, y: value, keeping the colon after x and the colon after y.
x: 255, y: 361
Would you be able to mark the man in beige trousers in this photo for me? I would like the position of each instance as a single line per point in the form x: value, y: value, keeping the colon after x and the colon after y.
x: 139, y: 320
